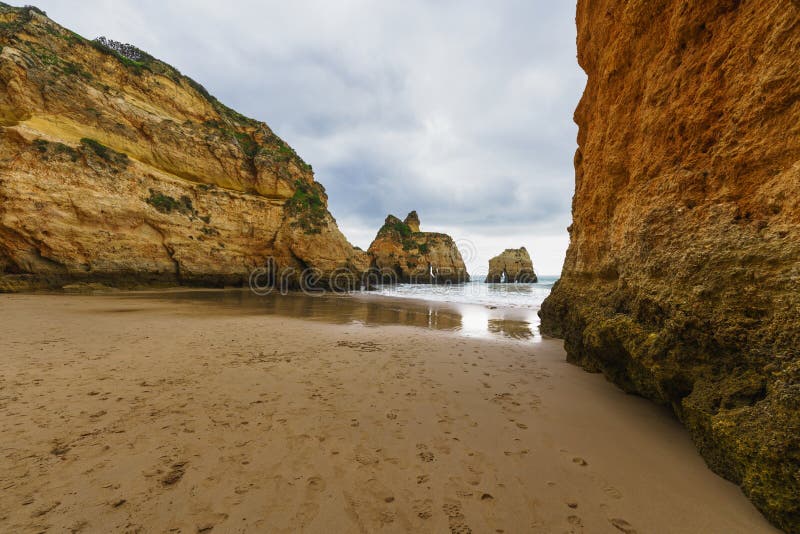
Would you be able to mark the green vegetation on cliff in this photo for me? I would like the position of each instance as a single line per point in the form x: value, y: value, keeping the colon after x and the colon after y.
x: 167, y: 204
x: 108, y: 155
x: 47, y: 149
x: 307, y: 207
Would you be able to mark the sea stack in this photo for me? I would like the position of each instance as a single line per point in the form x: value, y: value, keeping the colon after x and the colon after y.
x: 681, y: 282
x: 116, y: 168
x: 513, y: 265
x: 403, y: 253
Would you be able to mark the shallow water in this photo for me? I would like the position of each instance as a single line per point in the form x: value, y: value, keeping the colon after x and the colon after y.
x: 508, y: 312
x: 520, y: 296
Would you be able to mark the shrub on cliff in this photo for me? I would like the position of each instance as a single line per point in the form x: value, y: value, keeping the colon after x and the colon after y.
x: 307, y: 208
x: 110, y: 156
x: 398, y: 226
x: 167, y: 204
x: 47, y: 149
x: 123, y: 49
x: 132, y: 57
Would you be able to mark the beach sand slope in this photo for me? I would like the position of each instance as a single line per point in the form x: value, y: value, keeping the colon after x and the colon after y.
x: 132, y: 416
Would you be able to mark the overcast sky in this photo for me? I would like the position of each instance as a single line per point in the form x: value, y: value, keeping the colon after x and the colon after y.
x: 459, y: 109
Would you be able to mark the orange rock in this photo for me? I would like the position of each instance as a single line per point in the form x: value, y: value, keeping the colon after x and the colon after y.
x: 682, y: 278
x: 126, y: 172
x: 400, y: 254
x: 512, y: 265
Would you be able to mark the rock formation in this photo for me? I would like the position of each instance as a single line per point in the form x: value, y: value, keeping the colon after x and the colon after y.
x: 116, y: 168
x: 412, y: 220
x: 513, y: 265
x: 401, y: 254
x: 682, y: 279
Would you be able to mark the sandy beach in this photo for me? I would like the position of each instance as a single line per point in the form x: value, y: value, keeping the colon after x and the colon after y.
x: 136, y: 415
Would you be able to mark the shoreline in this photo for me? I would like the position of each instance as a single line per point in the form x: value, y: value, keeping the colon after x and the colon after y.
x: 147, y: 414
x: 512, y: 321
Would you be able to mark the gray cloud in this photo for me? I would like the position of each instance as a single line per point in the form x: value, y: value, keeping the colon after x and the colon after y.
x: 461, y: 110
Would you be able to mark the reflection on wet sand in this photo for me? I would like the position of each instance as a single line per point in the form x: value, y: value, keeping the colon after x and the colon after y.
x: 511, y: 328
x: 371, y: 310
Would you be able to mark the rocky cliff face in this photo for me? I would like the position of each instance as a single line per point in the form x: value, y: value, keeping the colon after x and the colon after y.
x: 513, y: 265
x: 114, y: 167
x: 402, y: 254
x: 682, y: 280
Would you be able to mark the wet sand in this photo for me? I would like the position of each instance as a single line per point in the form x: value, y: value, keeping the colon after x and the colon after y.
x: 152, y: 415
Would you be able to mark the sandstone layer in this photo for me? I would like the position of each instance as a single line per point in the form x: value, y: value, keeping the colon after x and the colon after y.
x: 401, y: 253
x: 682, y: 279
x: 114, y: 167
x: 513, y: 265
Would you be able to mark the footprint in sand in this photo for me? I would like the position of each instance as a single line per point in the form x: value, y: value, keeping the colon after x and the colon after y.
x: 367, y: 458
x: 176, y: 472
x: 207, y: 523
x: 424, y: 454
x: 387, y: 517
x: 624, y: 526
x: 507, y: 402
x: 423, y: 508
x: 59, y: 449
x: 316, y: 484
x: 455, y: 517
x: 45, y: 509
x: 612, y: 492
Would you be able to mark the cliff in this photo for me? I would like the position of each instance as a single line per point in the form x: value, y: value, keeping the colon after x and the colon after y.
x: 513, y: 265
x: 403, y: 255
x: 682, y: 278
x: 116, y: 168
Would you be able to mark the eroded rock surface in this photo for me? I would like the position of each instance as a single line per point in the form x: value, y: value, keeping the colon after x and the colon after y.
x: 682, y: 279
x: 513, y: 265
x: 408, y: 256
x: 123, y: 171
x: 412, y: 220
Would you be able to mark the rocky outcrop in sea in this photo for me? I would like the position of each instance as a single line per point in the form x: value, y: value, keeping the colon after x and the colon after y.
x: 513, y: 265
x: 402, y: 253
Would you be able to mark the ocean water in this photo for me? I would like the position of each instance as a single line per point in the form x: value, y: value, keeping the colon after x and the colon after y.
x: 516, y: 296
x: 475, y: 309
x: 482, y: 310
